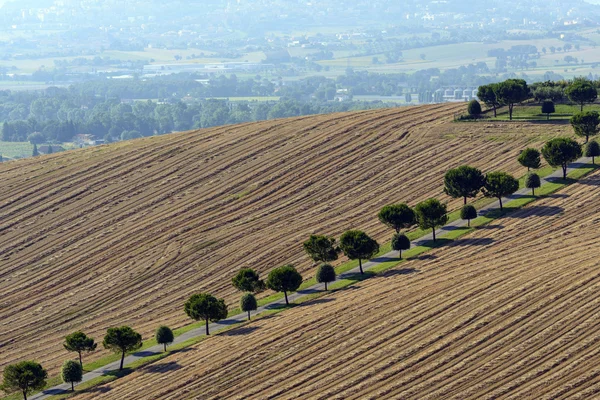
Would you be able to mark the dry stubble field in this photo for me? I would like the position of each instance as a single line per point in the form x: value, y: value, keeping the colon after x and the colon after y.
x: 508, y: 312
x: 123, y: 234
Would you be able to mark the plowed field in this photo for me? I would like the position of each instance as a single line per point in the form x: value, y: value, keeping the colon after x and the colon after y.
x: 123, y: 234
x: 508, y: 312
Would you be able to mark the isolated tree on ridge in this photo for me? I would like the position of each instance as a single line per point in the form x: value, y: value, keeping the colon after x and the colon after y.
x: 26, y: 377
x: 164, y: 335
x: 79, y: 342
x: 325, y: 274
x: 511, y: 92
x: 530, y: 158
x: 474, y: 108
x: 582, y: 91
x: 586, y: 124
x: 464, y: 181
x: 468, y: 212
x: 548, y: 108
x: 431, y: 213
x: 122, y: 340
x: 559, y: 152
x: 499, y: 184
x: 487, y: 94
x: 400, y: 242
x: 248, y: 303
x: 533, y: 181
x: 71, y: 372
x: 321, y: 248
x: 248, y: 280
x: 397, y: 216
x: 592, y: 149
x: 357, y: 245
x: 284, y: 279
x: 205, y: 307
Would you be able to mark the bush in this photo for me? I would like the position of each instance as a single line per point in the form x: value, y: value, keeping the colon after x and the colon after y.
x: 164, y: 336
x: 248, y: 303
x: 468, y: 212
x: 474, y: 107
x: 533, y: 181
x: 325, y: 274
x: 400, y: 242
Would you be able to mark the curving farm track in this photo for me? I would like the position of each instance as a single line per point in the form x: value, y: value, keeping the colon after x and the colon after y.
x: 123, y: 234
x: 508, y: 312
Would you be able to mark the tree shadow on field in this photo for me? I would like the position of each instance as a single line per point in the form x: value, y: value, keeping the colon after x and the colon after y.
x: 536, y: 211
x: 497, y: 226
x: 473, y: 242
x: 55, y: 392
x: 97, y: 389
x: 560, y: 195
x: 560, y: 180
x: 162, y: 368
x: 403, y: 271
x: 145, y: 353
x: 241, y: 331
x: 423, y: 257
x: 385, y: 259
x: 590, y: 181
x: 318, y: 301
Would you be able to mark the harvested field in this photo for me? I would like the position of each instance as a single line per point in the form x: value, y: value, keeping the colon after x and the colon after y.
x: 508, y: 312
x: 123, y: 234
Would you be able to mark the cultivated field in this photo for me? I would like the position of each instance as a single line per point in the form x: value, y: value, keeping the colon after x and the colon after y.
x: 124, y: 233
x: 509, y: 312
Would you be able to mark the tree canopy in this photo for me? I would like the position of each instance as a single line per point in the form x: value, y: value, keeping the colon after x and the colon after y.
x: 248, y: 303
x: 79, y: 342
x: 533, y: 181
x: 487, y: 94
x: 248, y: 280
x: 530, y: 158
x: 582, y: 91
x: 321, y: 248
x: 464, y: 181
x: 357, y: 245
x: 284, y: 279
x: 511, y: 92
x: 548, y: 108
x: 325, y: 274
x: 71, y: 372
x: 468, y: 212
x: 431, y: 213
x: 397, y: 216
x: 586, y: 124
x: 592, y: 149
x: 500, y: 184
x: 122, y: 340
x: 164, y: 335
x: 400, y: 242
x: 26, y: 377
x: 205, y: 307
x: 559, y: 152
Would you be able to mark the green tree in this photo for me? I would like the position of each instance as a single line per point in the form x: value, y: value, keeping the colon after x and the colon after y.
x: 321, y: 248
x: 487, y: 94
x: 548, y: 108
x: 7, y: 132
x: 325, y: 274
x: 499, y: 184
x: 533, y: 181
x: 248, y: 303
x: 284, y: 279
x: 357, y: 245
x: 592, y: 149
x: 582, y: 91
x: 35, y: 151
x: 79, y: 342
x: 464, y: 182
x: 36, y: 138
x: 397, y: 216
x: 474, y: 108
x: 49, y: 149
x: 71, y: 372
x: 400, y: 242
x: 431, y: 213
x: 511, y: 92
x: 468, y: 212
x: 25, y: 377
x: 206, y: 307
x: 586, y: 124
x: 530, y: 158
x: 248, y: 280
x: 122, y: 340
x: 559, y: 152
x: 164, y: 335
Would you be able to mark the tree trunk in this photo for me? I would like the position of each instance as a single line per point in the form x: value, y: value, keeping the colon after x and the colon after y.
x: 287, y: 303
x: 564, y: 168
x: 72, y: 387
x: 360, y: 266
x: 510, y: 110
x: 80, y: 362
x: 581, y: 109
x: 593, y: 161
x: 548, y: 117
x: 325, y: 286
x: 400, y: 254
x: 206, y: 324
x: 587, y: 137
x: 465, y: 201
x: 248, y: 315
x: 500, y: 200
x: 165, y: 346
x: 495, y: 111
x: 533, y: 191
x: 25, y: 394
x: 469, y: 222
x: 122, y: 359
x: 434, y: 233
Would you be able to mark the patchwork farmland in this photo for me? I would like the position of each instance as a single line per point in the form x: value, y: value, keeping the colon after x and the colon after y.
x: 125, y: 233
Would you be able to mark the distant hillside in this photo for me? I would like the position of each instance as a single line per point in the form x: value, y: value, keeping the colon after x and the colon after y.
x: 123, y: 233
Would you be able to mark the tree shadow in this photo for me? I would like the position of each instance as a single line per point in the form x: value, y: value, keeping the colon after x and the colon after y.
x: 145, y: 353
x: 423, y: 257
x: 473, y: 242
x: 97, y: 389
x: 54, y: 392
x: 162, y: 368
x: 308, y: 291
x: 559, y: 195
x: 385, y: 259
x: 241, y: 331
x: 560, y: 180
x: 537, y: 211
x: 318, y: 301
x: 590, y: 181
x: 483, y: 227
x: 403, y: 271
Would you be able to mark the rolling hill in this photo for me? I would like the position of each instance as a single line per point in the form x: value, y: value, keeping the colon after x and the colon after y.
x: 124, y: 233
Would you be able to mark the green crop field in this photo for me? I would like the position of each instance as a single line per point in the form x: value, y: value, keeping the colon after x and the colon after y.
x: 16, y: 149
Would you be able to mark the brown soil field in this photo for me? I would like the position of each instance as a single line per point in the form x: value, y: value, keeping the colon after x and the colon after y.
x: 124, y: 233
x: 507, y: 312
